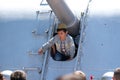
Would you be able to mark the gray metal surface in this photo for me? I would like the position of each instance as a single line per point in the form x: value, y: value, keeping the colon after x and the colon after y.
x: 19, y: 44
x: 57, y: 68
x: 23, y: 33
x: 101, y: 46
x: 65, y: 15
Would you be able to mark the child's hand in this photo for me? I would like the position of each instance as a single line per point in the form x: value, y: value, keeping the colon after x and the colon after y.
x: 40, y: 51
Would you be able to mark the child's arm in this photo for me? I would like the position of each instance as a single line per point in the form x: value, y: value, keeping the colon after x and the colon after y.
x: 46, y: 46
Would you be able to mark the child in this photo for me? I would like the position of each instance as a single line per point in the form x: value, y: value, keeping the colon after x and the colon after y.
x: 65, y: 48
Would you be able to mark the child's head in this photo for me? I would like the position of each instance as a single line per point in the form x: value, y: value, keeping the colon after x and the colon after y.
x: 1, y: 76
x: 62, y: 31
x: 18, y: 75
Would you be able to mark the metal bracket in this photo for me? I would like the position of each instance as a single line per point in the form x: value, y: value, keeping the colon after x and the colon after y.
x: 32, y: 53
x: 26, y: 69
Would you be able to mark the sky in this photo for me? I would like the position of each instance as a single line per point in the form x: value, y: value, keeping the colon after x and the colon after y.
x: 12, y: 5
x: 19, y: 9
x: 19, y: 4
x: 105, y: 7
x: 28, y: 7
x: 76, y: 4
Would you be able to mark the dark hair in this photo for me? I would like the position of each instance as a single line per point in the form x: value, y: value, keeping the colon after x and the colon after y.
x: 18, y: 75
x: 1, y: 76
x: 117, y: 74
x: 77, y: 75
x: 64, y: 30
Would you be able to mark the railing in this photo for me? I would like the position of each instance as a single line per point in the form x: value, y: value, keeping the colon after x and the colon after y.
x: 79, y: 52
x: 50, y: 33
x: 82, y: 36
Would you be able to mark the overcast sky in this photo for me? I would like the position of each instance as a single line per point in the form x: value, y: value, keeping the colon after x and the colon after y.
x: 19, y: 4
x: 35, y: 4
x: 29, y: 6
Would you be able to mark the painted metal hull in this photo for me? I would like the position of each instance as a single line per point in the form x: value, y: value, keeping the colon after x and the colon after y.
x: 98, y: 52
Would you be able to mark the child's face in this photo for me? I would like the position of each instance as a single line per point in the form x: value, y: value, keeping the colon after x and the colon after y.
x: 62, y: 35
